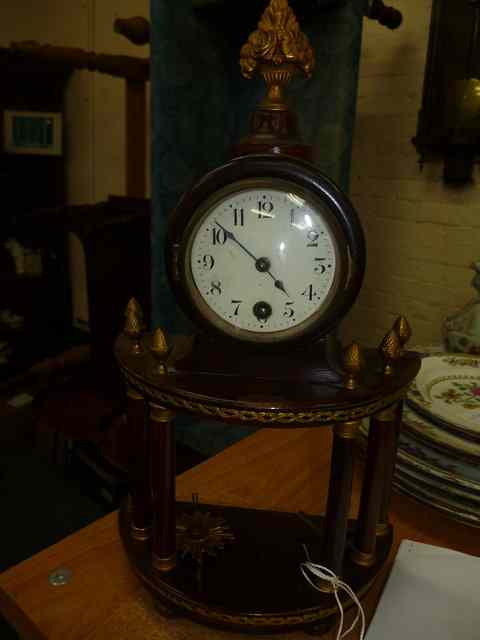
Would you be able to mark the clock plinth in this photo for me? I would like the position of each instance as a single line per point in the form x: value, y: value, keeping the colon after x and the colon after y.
x: 204, y: 355
x: 240, y: 568
x: 251, y: 584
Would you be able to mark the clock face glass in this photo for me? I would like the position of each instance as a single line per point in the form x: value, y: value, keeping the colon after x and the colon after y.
x: 263, y: 260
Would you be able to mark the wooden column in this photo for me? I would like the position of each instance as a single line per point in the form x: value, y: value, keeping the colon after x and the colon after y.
x: 138, y: 467
x: 391, y: 444
x: 162, y: 466
x: 381, y: 425
x: 339, y: 495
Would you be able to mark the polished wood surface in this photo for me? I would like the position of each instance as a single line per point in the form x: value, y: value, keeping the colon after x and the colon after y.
x: 105, y: 599
x: 139, y: 470
x: 339, y: 498
x: 281, y: 402
x: 119, y: 66
x: 373, y: 489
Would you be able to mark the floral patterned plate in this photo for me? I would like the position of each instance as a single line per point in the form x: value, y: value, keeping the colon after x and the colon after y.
x: 454, y: 491
x: 432, y: 463
x: 431, y: 499
x: 447, y: 391
x: 437, y: 437
x: 454, y: 496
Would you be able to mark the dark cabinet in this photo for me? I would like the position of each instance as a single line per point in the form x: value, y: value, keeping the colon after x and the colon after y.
x: 31, y: 182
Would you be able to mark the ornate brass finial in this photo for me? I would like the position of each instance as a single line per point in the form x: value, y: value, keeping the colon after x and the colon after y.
x: 403, y: 330
x: 390, y: 350
x: 134, y: 325
x: 160, y: 349
x: 352, y: 362
x: 277, y: 49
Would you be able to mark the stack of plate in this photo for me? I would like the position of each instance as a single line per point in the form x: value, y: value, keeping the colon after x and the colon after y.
x: 438, y: 458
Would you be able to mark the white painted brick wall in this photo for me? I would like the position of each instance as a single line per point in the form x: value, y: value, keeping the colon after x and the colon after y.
x: 421, y: 235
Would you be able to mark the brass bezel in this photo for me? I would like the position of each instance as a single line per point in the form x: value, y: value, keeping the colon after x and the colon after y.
x: 202, y: 212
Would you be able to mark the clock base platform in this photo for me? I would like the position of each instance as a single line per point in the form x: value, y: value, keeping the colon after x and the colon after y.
x: 248, y: 577
x: 202, y: 356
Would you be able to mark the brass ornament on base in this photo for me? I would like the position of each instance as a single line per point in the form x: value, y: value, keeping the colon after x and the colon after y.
x: 386, y: 415
x: 133, y: 393
x: 347, y: 430
x: 164, y: 565
x: 200, y: 533
x: 160, y: 350
x: 403, y: 330
x: 384, y: 529
x: 390, y: 349
x: 352, y: 363
x: 363, y: 559
x: 140, y: 534
x: 134, y: 325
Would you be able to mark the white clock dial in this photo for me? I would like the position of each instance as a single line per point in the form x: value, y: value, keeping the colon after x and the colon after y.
x: 264, y: 260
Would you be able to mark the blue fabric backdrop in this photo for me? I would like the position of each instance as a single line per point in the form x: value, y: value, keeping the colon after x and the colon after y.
x: 201, y: 105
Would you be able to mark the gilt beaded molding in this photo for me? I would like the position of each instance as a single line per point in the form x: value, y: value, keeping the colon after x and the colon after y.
x: 254, y: 416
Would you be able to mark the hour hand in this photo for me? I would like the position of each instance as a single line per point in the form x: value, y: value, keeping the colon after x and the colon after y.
x: 279, y: 284
x: 230, y: 236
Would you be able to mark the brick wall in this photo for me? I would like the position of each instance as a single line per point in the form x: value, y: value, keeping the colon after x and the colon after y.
x: 421, y: 235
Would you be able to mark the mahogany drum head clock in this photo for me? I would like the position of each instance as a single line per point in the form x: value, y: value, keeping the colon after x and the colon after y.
x: 266, y: 256
x: 265, y: 250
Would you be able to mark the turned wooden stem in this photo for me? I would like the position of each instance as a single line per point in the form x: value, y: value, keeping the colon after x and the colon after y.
x: 339, y: 495
x: 391, y: 446
x: 162, y: 464
x: 120, y: 66
x: 138, y: 467
x: 373, y: 488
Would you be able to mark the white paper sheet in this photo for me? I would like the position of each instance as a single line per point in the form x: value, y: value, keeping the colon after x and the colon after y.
x: 431, y: 593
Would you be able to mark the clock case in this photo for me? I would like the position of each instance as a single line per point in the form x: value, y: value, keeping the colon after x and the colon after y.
x: 315, y: 353
x: 272, y: 150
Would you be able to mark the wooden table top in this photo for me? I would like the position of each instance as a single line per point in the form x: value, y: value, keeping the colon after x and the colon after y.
x: 274, y: 469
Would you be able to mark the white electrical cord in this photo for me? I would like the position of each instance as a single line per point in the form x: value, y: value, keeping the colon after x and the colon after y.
x: 329, y: 576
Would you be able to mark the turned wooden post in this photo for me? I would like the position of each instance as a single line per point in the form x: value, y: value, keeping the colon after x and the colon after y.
x: 339, y: 494
x: 381, y: 424
x: 138, y: 467
x: 391, y: 446
x: 162, y: 469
